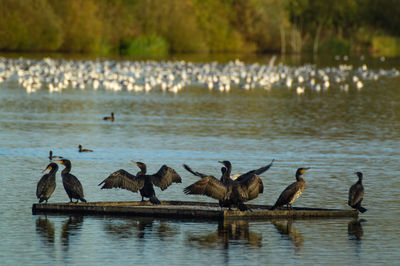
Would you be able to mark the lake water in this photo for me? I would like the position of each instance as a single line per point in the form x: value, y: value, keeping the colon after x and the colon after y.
x: 334, y: 132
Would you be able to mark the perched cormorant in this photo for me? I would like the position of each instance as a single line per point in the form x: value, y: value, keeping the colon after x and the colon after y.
x: 356, y: 194
x: 47, y: 184
x: 71, y: 184
x: 51, y: 156
x: 293, y: 191
x: 111, y: 118
x: 83, y: 150
x: 142, y: 182
x: 229, y: 192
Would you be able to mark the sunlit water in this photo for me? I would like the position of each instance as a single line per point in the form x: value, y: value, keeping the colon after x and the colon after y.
x: 335, y: 133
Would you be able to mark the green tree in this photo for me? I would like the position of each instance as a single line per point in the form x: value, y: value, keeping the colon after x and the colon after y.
x: 29, y: 25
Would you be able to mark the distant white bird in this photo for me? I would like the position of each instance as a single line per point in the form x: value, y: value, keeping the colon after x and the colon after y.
x: 300, y: 90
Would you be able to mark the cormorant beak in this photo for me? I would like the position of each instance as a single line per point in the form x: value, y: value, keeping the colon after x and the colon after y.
x: 305, y: 169
x: 47, y: 168
x: 133, y: 162
x: 59, y: 161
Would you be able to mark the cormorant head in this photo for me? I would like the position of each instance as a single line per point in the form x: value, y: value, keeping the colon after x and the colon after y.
x: 227, y: 164
x: 141, y: 165
x: 64, y: 162
x: 359, y: 174
x: 51, y: 166
x: 112, y: 114
x: 301, y: 171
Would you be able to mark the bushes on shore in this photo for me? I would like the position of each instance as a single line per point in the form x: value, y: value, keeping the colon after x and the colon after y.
x: 158, y: 27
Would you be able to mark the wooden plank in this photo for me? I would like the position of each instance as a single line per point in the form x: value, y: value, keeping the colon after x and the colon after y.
x: 185, y: 209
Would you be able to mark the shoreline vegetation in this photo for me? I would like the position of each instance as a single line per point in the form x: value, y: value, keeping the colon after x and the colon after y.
x: 158, y: 28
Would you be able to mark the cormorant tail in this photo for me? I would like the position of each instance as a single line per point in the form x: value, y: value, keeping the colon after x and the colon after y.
x: 154, y: 200
x: 82, y: 199
x: 362, y: 209
x: 41, y: 200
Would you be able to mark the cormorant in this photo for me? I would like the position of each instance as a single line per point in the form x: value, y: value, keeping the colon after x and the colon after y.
x: 292, y: 192
x: 111, y: 118
x: 142, y: 182
x: 71, y: 184
x: 356, y: 194
x: 47, y: 184
x: 51, y: 156
x: 229, y: 192
x: 83, y: 150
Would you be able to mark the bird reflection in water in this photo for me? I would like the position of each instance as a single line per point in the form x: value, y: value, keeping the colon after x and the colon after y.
x: 45, y: 229
x: 286, y: 229
x: 70, y: 228
x: 126, y: 228
x: 228, y: 232
x: 355, y: 230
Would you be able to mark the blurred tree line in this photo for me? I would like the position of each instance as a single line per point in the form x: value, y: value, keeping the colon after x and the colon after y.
x: 159, y: 27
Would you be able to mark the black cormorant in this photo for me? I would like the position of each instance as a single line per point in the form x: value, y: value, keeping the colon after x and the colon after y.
x: 47, y: 184
x: 83, y: 150
x: 71, y: 184
x: 293, y: 191
x: 111, y: 118
x: 229, y: 192
x: 142, y: 182
x: 356, y: 194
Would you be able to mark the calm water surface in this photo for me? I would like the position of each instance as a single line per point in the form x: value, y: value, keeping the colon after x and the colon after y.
x: 335, y: 133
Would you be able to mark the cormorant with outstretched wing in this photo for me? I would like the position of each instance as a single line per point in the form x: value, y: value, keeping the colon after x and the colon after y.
x: 142, y: 182
x: 229, y: 192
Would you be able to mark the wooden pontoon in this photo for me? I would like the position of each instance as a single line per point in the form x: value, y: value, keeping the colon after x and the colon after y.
x: 184, y: 210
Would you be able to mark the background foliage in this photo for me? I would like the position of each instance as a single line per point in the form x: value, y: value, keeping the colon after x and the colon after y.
x: 159, y: 27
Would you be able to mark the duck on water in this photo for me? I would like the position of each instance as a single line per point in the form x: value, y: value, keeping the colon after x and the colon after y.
x: 83, y: 150
x: 51, y: 156
x: 109, y: 118
x: 71, y: 183
x: 142, y: 181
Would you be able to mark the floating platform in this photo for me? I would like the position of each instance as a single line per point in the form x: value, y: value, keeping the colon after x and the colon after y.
x: 186, y: 210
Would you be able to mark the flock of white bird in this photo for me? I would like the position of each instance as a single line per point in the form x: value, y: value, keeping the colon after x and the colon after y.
x: 57, y: 75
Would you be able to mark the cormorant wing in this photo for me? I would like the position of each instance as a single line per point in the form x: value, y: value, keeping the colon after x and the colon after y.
x: 42, y: 185
x: 209, y: 186
x: 73, y: 184
x: 287, y: 194
x: 356, y: 194
x: 164, y: 177
x: 258, y: 171
x: 250, y: 187
x: 123, y: 179
x: 193, y: 172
